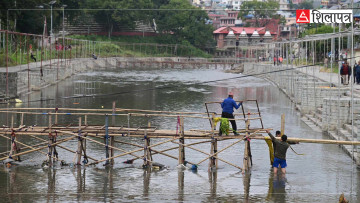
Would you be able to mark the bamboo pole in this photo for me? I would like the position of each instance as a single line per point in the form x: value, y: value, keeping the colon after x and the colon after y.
x: 79, y: 149
x: 128, y: 115
x: 110, y: 110
x: 107, y: 139
x: 56, y: 116
x: 315, y: 141
x: 112, y: 137
x: 22, y: 120
x: 211, y: 159
x: 192, y: 132
x: 182, y: 142
x: 213, y: 149
x: 138, y: 134
x: 282, y: 124
x: 246, y: 164
x: 51, y: 141
x: 12, y: 121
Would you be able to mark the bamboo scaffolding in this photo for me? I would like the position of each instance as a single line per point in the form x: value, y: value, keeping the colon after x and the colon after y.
x: 211, y: 155
x: 40, y: 148
x: 46, y: 154
x: 70, y: 150
x: 162, y: 151
x: 119, y: 155
x: 122, y: 150
x: 241, y: 139
x: 36, y: 145
x: 156, y: 151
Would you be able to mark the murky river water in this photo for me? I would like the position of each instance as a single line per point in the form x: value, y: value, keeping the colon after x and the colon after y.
x: 321, y: 175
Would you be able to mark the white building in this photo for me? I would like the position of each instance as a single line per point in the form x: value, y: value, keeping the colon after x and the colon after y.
x: 284, y: 4
x: 234, y: 4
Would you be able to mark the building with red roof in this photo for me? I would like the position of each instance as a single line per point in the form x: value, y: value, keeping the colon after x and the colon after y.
x: 226, y: 37
x: 270, y: 24
x: 216, y: 19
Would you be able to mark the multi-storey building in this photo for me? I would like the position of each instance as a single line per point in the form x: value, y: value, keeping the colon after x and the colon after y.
x: 226, y: 37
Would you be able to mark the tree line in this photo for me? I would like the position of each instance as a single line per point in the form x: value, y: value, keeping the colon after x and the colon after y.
x: 177, y: 20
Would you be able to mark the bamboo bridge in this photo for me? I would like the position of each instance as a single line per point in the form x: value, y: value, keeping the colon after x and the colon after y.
x: 54, y: 134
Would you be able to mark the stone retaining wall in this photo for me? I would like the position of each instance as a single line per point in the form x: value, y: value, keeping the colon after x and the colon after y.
x: 23, y: 81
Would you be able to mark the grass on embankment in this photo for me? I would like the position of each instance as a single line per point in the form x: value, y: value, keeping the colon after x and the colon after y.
x: 138, y: 46
x: 126, y: 46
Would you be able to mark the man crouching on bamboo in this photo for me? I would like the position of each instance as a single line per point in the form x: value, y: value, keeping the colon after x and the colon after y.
x: 280, y: 148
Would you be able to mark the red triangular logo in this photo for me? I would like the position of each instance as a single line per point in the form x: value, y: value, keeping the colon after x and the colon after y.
x: 302, y: 16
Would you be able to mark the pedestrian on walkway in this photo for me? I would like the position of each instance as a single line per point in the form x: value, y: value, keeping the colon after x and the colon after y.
x: 275, y: 60
x: 357, y: 72
x: 344, y: 72
x: 326, y: 62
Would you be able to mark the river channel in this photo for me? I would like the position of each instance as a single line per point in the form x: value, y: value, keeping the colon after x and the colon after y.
x: 321, y: 175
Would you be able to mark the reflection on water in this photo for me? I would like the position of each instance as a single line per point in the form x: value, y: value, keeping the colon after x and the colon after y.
x: 305, y: 181
x: 277, y: 185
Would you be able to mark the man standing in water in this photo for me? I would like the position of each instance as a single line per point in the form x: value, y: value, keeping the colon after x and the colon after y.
x: 228, y: 106
x: 280, y: 148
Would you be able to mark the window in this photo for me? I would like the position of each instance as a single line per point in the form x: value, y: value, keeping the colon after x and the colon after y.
x: 236, y: 2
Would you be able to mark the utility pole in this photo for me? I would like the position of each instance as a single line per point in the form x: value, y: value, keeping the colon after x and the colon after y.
x: 51, y: 3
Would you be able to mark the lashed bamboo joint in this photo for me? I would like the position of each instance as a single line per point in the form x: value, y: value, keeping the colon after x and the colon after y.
x: 59, y: 133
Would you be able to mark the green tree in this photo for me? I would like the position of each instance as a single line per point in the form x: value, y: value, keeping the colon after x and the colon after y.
x: 112, y: 18
x: 306, y: 5
x: 30, y: 21
x: 186, y: 24
x: 319, y: 30
x: 260, y: 10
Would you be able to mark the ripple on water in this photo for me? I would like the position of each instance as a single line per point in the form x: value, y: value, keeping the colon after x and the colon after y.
x: 319, y: 176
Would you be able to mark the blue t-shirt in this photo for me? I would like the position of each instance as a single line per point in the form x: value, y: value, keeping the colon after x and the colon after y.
x: 229, y: 104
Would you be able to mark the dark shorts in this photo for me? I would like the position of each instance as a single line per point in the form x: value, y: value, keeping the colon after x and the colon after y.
x: 278, y: 161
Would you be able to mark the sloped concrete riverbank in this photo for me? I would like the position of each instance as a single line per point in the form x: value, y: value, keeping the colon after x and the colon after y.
x: 323, y: 104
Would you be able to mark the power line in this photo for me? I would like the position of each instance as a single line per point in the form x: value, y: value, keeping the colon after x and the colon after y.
x: 169, y: 86
x: 153, y: 9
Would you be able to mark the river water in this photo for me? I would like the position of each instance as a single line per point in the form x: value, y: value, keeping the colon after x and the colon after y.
x: 321, y: 175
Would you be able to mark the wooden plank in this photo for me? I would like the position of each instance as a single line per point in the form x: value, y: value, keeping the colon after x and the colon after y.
x: 282, y: 124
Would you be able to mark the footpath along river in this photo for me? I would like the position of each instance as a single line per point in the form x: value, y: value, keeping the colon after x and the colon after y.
x: 321, y: 175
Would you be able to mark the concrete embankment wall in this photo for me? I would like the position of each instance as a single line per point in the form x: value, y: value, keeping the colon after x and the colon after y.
x: 175, y: 62
x: 28, y: 77
x: 327, y: 106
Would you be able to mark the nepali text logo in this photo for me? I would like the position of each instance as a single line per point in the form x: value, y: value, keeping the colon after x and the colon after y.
x: 324, y: 16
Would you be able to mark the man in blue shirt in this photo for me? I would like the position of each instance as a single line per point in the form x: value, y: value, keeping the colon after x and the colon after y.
x: 228, y: 106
